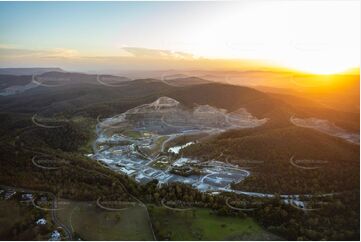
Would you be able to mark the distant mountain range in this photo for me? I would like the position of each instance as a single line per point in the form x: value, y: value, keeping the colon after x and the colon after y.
x: 59, y: 116
x: 27, y: 71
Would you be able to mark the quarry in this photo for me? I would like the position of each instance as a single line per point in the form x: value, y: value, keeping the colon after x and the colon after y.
x: 326, y: 127
x: 145, y: 143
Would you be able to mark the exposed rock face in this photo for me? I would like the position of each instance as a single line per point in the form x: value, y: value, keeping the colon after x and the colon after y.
x: 164, y: 102
x: 326, y: 127
x: 166, y: 116
x: 161, y: 105
x: 136, y: 143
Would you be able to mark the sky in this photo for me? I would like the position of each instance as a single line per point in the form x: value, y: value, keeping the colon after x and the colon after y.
x: 312, y: 36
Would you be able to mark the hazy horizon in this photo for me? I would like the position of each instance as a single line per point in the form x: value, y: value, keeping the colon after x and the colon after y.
x: 245, y: 35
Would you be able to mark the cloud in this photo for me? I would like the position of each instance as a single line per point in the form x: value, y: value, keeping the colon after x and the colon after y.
x: 8, y: 51
x: 132, y: 58
x: 62, y: 53
x: 154, y: 53
x: 7, y: 46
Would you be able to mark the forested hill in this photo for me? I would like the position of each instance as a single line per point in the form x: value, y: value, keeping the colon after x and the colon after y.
x: 84, y: 93
x: 57, y: 124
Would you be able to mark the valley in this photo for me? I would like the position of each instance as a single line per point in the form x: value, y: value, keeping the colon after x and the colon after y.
x: 136, y: 142
x: 180, y: 120
x: 231, y: 159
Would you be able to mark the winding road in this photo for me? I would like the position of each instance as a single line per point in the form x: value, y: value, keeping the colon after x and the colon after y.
x: 57, y: 222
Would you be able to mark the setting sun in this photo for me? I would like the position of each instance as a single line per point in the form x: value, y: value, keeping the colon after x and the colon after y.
x: 300, y: 35
x: 180, y: 120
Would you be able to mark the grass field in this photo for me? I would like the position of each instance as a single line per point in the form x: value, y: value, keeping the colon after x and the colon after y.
x: 90, y: 222
x: 201, y: 224
x: 132, y: 134
x: 158, y: 144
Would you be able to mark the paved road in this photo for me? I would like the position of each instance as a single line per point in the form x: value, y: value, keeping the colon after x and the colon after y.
x: 284, y: 196
x: 57, y: 221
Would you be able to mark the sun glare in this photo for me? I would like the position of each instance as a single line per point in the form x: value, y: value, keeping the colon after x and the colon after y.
x: 280, y: 32
x: 324, y: 66
x: 320, y: 37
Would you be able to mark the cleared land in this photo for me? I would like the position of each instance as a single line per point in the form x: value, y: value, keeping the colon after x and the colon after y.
x: 150, y: 130
x: 89, y: 222
x: 326, y: 127
x: 203, y: 224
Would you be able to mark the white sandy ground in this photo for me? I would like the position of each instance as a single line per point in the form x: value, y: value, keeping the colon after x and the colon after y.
x: 326, y: 127
x: 166, y: 117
